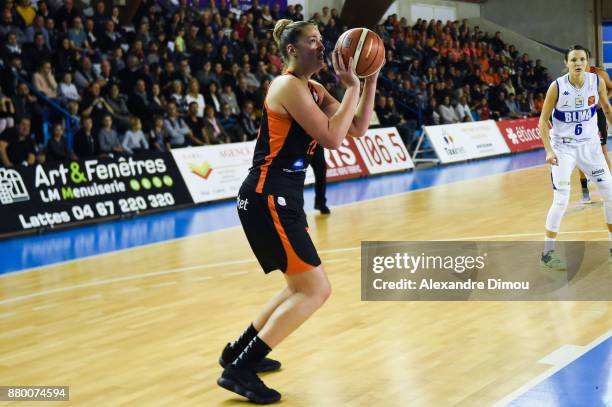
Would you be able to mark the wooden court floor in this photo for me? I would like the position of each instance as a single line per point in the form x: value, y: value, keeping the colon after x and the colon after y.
x: 144, y: 327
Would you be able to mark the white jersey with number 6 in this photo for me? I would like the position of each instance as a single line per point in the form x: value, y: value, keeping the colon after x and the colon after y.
x: 574, y: 119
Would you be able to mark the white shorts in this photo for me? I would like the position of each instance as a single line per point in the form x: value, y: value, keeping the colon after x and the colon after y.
x: 586, y: 156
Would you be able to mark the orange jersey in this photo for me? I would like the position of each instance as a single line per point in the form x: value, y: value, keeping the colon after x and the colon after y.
x: 603, y: 76
x: 282, y: 152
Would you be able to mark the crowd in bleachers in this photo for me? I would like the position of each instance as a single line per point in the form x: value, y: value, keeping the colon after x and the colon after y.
x: 452, y: 73
x: 181, y: 75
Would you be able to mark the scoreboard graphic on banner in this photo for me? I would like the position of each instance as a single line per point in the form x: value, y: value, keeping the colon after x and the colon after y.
x: 382, y: 150
x: 64, y: 193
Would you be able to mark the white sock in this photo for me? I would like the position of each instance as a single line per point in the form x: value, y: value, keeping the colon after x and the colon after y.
x: 610, y: 237
x: 549, y: 243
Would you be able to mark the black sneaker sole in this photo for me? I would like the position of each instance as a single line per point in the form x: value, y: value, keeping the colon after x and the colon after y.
x: 238, y: 389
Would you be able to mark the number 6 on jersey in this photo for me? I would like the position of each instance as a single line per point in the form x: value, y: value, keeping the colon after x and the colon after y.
x: 578, y: 129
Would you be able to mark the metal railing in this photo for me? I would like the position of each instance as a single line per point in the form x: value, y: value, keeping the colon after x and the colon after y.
x: 71, y: 122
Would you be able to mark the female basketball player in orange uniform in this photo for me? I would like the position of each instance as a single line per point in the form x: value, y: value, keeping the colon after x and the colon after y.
x: 602, y: 125
x: 298, y: 114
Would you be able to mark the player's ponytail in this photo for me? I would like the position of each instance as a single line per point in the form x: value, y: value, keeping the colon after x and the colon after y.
x: 278, y: 30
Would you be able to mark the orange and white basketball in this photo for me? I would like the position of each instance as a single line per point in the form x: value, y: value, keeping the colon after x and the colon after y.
x: 366, y: 48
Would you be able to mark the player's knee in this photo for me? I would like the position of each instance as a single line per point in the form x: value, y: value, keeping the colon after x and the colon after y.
x: 315, y: 286
x: 561, y: 198
x: 320, y: 292
x: 324, y: 291
x: 608, y: 210
x: 606, y: 192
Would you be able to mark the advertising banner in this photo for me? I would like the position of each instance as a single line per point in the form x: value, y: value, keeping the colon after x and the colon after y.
x: 521, y: 134
x: 382, y: 150
x: 465, y: 141
x: 345, y: 162
x: 214, y: 172
x: 62, y: 193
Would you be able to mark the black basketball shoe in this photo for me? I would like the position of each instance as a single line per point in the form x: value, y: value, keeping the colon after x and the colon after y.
x: 246, y: 383
x: 324, y: 209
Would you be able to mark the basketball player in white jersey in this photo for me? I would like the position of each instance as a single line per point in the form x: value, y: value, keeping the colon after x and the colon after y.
x: 603, y: 130
x: 573, y: 141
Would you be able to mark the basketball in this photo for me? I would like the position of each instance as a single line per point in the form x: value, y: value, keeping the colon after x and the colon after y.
x: 366, y: 48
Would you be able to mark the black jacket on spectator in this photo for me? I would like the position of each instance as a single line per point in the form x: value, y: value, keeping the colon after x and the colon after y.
x: 500, y: 107
x: 388, y: 116
x: 8, y: 53
x: 85, y: 145
x: 156, y: 108
x: 92, y: 38
x: 121, y: 113
x: 34, y: 56
x: 129, y: 77
x: 167, y: 79
x: 18, y: 149
x: 64, y: 60
x: 8, y: 82
x: 99, y: 109
x: 107, y: 43
x: 99, y: 20
x: 64, y: 16
x: 210, y: 102
x: 195, y: 126
x: 23, y: 108
x: 57, y: 150
x: 248, y: 125
x: 497, y: 44
x: 139, y: 105
x: 244, y: 95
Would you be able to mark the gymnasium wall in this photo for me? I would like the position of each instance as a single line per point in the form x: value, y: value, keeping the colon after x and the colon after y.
x: 566, y: 23
x: 314, y: 6
x: 406, y: 8
x: 606, y: 10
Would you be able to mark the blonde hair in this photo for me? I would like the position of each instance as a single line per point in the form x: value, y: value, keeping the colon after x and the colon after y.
x: 288, y: 32
x: 135, y: 123
x: 279, y: 28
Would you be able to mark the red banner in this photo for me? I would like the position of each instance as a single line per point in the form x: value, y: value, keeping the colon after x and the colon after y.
x: 521, y: 134
x: 345, y: 162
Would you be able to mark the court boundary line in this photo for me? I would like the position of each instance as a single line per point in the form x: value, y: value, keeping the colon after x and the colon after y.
x: 550, y: 372
x: 541, y: 233
x: 3, y: 275
x: 178, y: 270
